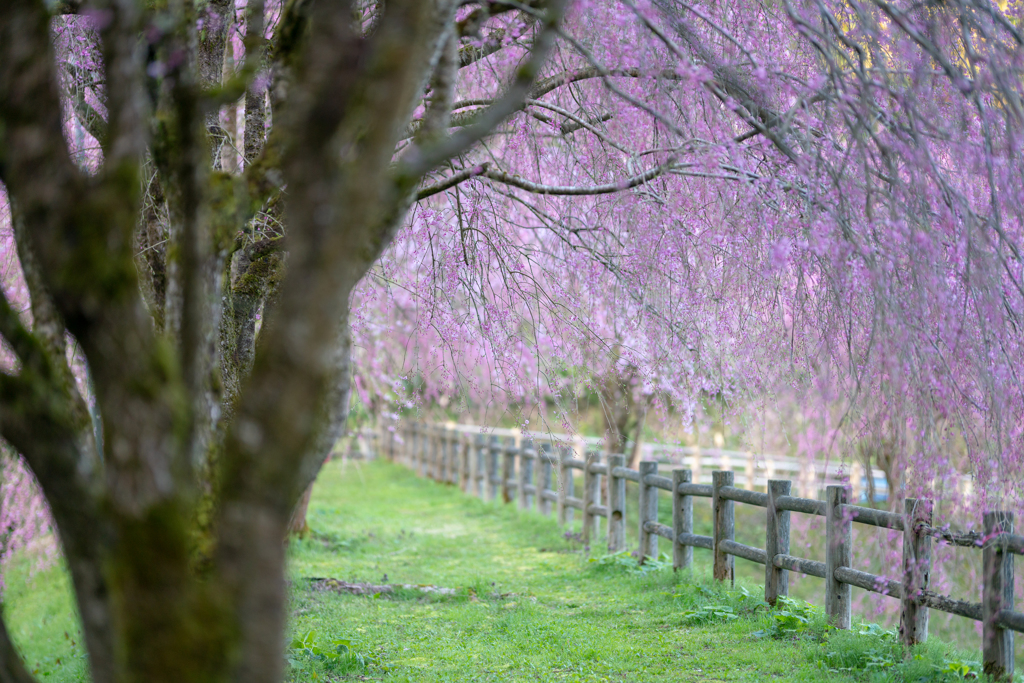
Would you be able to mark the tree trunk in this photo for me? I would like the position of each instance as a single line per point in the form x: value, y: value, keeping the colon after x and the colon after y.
x: 298, y: 526
x: 126, y: 513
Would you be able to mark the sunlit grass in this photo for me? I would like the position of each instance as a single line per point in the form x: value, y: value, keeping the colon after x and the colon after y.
x: 526, y: 603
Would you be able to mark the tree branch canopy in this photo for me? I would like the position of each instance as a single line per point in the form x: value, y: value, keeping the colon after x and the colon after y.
x: 669, y: 205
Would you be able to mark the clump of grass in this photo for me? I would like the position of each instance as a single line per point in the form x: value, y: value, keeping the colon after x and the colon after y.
x: 791, y: 619
x: 625, y: 562
x: 313, y: 658
x: 875, y: 654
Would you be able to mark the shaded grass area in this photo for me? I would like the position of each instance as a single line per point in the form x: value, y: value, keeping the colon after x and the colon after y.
x: 523, y: 603
x: 42, y: 619
x: 528, y: 605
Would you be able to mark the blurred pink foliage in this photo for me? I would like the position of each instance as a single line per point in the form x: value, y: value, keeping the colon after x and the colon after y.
x: 24, y: 516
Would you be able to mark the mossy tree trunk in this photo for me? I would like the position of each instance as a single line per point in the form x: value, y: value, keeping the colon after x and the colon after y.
x: 166, y: 271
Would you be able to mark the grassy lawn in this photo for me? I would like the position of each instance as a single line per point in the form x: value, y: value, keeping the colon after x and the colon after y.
x: 527, y: 605
x: 484, y: 592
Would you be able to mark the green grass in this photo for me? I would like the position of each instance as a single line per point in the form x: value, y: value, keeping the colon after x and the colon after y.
x: 42, y: 620
x: 525, y: 604
x: 530, y: 606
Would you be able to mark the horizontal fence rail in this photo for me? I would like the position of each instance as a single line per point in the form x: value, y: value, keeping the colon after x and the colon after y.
x: 754, y: 470
x: 543, y: 477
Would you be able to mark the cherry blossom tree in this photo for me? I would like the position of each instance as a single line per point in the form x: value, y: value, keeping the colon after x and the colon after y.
x: 802, y: 201
x: 160, y: 264
x: 742, y: 201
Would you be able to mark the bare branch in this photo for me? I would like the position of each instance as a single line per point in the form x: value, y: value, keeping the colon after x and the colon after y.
x: 484, y: 171
x: 451, y: 181
x: 122, y: 60
x: 423, y: 160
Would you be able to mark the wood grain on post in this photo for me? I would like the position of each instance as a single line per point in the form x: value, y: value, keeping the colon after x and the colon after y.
x: 616, y: 506
x: 493, y: 468
x: 917, y: 568
x: 648, y: 513
x: 544, y: 487
x: 838, y: 546
x: 591, y: 496
x: 724, y: 527
x: 682, y: 520
x: 566, y: 487
x: 527, y: 456
x: 508, y: 468
x: 997, y: 595
x: 776, y: 542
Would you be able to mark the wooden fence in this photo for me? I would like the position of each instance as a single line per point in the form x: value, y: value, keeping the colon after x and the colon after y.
x: 545, y: 479
x: 753, y: 469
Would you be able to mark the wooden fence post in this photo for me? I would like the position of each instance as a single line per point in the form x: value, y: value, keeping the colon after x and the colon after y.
x: 917, y: 566
x: 544, y: 479
x: 857, y: 481
x: 566, y: 487
x: 483, y: 452
x: 437, y: 442
x: 997, y: 595
x: 697, y: 464
x: 591, y: 496
x: 417, y: 448
x: 682, y: 520
x: 467, y: 458
x: 526, y: 457
x: 725, y: 526
x: 448, y: 459
x: 442, y: 453
x: 430, y: 453
x: 455, y: 459
x: 439, y: 448
x: 409, y: 445
x: 493, y: 471
x: 422, y: 442
x: 838, y: 543
x: 776, y: 542
x: 508, y: 468
x: 648, y: 513
x: 474, y: 455
x: 616, y: 506
x: 453, y: 456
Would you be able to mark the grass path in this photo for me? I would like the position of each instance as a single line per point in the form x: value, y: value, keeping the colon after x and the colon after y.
x: 527, y: 605
x: 522, y: 603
